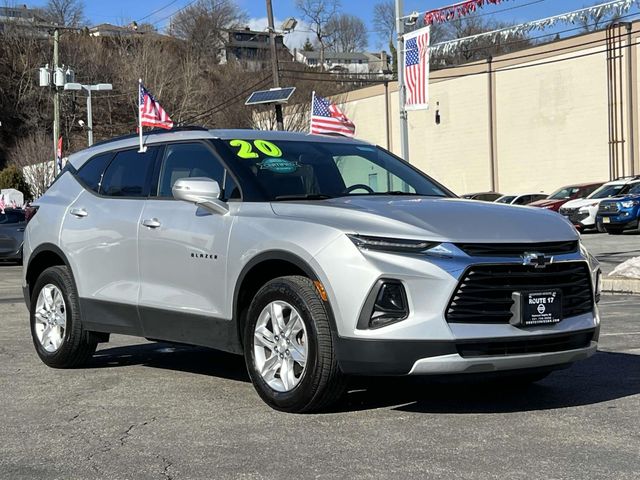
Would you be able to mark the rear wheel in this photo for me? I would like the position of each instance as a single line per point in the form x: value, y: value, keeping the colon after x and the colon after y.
x: 56, y: 328
x: 289, y: 348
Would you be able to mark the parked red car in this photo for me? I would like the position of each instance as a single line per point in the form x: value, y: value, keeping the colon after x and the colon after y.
x: 563, y: 195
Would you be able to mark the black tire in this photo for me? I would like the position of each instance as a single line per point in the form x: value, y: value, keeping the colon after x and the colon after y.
x: 615, y: 231
x: 322, y: 382
x: 600, y: 227
x: 76, y: 348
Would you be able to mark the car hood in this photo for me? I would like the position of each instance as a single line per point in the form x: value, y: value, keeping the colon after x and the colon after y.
x: 581, y: 202
x: 438, y: 219
x: 622, y: 198
x: 548, y: 203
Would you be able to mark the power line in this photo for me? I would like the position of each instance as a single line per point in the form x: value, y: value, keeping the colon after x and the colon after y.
x: 156, y: 11
x: 493, y: 12
x: 216, y: 108
x: 174, y: 13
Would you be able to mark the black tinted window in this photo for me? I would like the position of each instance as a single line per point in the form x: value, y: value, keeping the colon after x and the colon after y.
x: 128, y: 175
x: 11, y: 216
x: 91, y: 172
x: 184, y: 160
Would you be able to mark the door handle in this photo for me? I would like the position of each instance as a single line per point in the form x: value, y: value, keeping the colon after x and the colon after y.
x: 78, y: 212
x: 151, y: 223
x: 21, y: 229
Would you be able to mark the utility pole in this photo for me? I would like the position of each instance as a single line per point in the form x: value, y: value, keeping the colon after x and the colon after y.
x: 274, y: 64
x: 56, y: 103
x: 404, y: 125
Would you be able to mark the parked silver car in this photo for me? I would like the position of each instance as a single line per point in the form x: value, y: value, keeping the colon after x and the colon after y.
x: 12, y: 225
x: 317, y: 257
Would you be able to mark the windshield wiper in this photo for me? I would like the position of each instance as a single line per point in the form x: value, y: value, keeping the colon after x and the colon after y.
x: 303, y: 196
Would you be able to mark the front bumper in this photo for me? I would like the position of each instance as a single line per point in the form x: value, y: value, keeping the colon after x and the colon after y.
x: 580, y: 219
x: 426, y: 357
x: 621, y: 219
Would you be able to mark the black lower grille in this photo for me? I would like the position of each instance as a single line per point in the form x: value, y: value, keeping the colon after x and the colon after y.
x: 517, y: 249
x: 546, y: 344
x: 484, y: 294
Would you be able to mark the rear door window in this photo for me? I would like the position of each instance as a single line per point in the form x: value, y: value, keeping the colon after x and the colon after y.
x: 129, y: 174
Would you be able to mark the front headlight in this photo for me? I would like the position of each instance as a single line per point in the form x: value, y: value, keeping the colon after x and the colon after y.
x: 629, y: 203
x: 586, y: 208
x: 398, y: 245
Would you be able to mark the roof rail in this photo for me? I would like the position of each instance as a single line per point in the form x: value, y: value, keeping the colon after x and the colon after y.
x: 155, y: 131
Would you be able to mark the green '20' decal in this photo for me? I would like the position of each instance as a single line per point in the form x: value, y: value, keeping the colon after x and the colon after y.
x: 246, y: 149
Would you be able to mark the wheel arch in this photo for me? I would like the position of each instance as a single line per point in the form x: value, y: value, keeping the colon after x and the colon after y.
x: 265, y: 267
x: 44, y: 256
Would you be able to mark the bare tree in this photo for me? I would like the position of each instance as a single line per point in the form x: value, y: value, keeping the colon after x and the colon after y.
x: 384, y: 21
x: 348, y: 33
x: 318, y: 14
x: 33, y: 155
x: 67, y: 13
x: 203, y: 23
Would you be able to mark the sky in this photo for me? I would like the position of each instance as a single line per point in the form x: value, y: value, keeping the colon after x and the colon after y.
x: 123, y: 11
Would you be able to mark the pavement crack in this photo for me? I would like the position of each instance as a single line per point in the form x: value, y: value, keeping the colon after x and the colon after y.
x: 127, y: 433
x: 166, y: 465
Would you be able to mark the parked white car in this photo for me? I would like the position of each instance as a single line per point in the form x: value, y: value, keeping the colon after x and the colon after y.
x: 582, y: 212
x: 521, y: 199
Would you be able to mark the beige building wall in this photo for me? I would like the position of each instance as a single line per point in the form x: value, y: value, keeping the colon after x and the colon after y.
x: 550, y: 119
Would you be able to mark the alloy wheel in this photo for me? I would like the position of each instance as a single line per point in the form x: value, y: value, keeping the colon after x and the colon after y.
x: 280, y: 346
x: 50, y: 318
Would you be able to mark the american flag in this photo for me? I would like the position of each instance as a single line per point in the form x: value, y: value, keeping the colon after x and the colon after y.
x: 416, y: 68
x: 151, y: 112
x: 326, y: 117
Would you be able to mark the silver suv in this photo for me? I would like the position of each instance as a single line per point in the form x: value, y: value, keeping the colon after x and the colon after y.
x: 317, y: 257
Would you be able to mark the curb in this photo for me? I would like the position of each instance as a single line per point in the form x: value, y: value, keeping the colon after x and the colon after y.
x: 621, y: 285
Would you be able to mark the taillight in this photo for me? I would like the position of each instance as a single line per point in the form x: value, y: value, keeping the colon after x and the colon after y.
x: 30, y: 212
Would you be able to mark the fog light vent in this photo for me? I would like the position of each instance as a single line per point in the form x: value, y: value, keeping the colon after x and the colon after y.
x: 390, y: 305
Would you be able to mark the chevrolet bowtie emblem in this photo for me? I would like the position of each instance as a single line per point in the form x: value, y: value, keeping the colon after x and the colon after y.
x: 537, y: 260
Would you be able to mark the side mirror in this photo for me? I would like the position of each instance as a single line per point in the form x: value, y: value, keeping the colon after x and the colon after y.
x: 202, y: 191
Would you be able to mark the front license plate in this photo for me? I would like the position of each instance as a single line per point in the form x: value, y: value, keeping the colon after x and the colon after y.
x: 606, y: 220
x: 537, y: 308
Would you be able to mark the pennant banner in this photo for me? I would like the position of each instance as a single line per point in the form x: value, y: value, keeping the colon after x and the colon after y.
x: 619, y: 7
x: 462, y: 9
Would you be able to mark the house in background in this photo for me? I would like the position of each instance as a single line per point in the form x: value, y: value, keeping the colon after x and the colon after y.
x: 251, y: 48
x: 346, y: 62
x: 23, y: 20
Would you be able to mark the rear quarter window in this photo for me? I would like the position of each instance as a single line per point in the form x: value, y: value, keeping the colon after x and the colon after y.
x: 91, y: 172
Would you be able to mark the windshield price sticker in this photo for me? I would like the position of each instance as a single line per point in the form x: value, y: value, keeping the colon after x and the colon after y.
x: 245, y: 149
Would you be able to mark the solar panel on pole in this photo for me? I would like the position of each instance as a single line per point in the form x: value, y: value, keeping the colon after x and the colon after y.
x: 274, y: 95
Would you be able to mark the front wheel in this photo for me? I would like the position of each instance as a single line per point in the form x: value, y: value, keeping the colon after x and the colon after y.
x: 289, y: 348
x: 56, y: 328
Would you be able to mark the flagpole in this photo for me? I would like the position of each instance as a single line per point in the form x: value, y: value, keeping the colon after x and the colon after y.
x: 313, y: 97
x: 404, y: 125
x: 142, y: 147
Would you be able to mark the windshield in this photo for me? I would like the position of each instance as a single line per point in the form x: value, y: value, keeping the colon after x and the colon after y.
x: 635, y: 189
x: 607, y: 191
x: 564, y: 193
x: 290, y: 170
x: 507, y: 199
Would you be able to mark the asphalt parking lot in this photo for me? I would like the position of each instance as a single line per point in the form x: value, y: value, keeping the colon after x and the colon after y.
x: 151, y: 411
x: 611, y: 250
